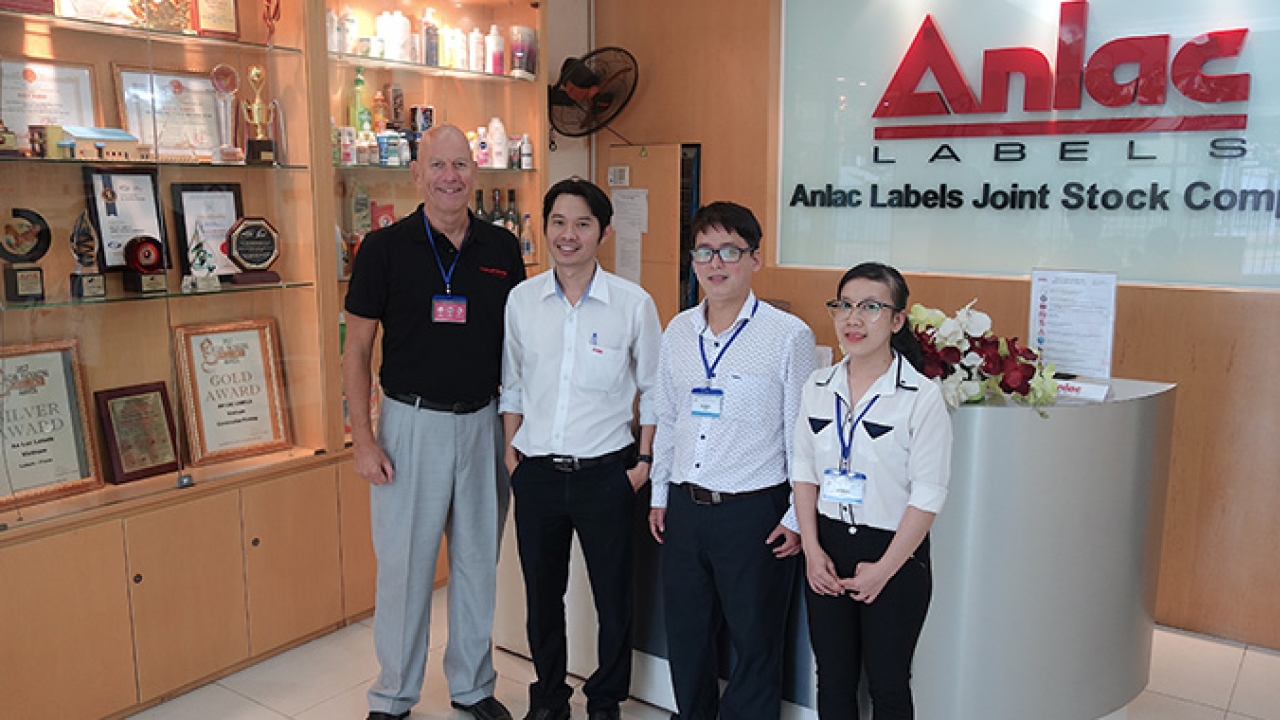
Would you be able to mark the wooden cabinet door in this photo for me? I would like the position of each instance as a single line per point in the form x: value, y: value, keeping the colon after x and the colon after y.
x: 359, y: 565
x: 186, y: 579
x: 291, y: 557
x: 64, y: 626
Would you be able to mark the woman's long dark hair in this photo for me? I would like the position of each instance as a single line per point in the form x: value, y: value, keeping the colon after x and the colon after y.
x: 904, y: 341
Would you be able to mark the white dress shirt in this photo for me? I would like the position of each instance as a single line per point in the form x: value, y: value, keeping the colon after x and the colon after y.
x: 573, y: 371
x: 762, y: 374
x: 902, y: 443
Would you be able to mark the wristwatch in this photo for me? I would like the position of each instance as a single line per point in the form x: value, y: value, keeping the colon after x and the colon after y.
x: 644, y: 459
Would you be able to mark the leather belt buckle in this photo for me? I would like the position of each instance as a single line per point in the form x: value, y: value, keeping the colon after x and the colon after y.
x: 703, y: 496
x: 565, y: 463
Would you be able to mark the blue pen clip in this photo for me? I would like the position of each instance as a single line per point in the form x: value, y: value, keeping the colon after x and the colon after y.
x: 593, y: 338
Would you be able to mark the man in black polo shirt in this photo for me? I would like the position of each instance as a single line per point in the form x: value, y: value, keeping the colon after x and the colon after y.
x: 437, y: 281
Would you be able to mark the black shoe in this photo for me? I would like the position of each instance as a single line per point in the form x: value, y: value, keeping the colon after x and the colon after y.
x: 375, y: 715
x: 487, y: 709
x: 612, y: 713
x: 560, y: 713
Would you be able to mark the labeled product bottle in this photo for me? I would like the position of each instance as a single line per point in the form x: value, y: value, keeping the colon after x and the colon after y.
x: 498, y: 217
x: 527, y: 247
x: 495, y: 52
x: 366, y: 146
x: 331, y: 31
x: 348, y: 32
x: 359, y: 113
x: 335, y: 141
x: 475, y: 50
x: 511, y: 220
x: 479, y: 208
x: 497, y: 144
x: 526, y: 153
x: 379, y: 111
x: 430, y: 38
x: 513, y: 152
x: 482, y: 147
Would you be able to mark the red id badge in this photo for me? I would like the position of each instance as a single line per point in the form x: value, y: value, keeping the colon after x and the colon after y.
x: 449, y: 309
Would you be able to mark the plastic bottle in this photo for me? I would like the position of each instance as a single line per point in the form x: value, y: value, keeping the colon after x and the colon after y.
x: 331, y: 31
x: 482, y: 147
x: 401, y: 26
x: 359, y: 113
x: 495, y: 52
x: 459, y: 49
x: 348, y: 31
x: 527, y: 247
x: 430, y: 38
x: 475, y: 51
x: 497, y: 144
x: 526, y: 153
x: 379, y: 112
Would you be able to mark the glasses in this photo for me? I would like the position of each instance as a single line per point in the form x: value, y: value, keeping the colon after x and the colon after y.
x: 868, y: 310
x: 728, y: 253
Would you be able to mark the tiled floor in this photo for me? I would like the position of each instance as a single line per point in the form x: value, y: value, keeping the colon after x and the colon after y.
x: 1192, y: 678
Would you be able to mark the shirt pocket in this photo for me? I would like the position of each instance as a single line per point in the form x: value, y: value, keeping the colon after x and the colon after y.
x: 600, y: 368
x: 755, y: 399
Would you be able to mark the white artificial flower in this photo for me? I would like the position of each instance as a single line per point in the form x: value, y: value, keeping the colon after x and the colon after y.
x: 974, y: 323
x: 971, y: 360
x: 950, y: 334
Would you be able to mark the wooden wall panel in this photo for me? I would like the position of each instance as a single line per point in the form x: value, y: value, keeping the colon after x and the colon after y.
x: 708, y: 74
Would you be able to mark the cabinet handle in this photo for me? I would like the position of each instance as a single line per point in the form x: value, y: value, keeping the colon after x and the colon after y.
x: 255, y: 542
x: 137, y: 579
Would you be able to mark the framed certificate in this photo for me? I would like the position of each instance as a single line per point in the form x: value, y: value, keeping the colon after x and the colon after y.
x: 232, y: 389
x: 47, y: 439
x: 124, y: 204
x: 203, y: 214
x: 138, y: 431
x: 43, y: 93
x: 216, y: 18
x: 174, y: 112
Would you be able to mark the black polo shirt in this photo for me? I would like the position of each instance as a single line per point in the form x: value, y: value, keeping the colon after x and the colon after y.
x: 393, y: 281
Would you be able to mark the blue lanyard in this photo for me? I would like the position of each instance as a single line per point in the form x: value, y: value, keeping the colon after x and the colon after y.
x: 846, y: 443
x: 448, y: 276
x: 711, y: 368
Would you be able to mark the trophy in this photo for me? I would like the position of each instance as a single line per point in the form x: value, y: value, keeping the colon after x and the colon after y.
x: 26, y: 240
x: 260, y: 116
x: 204, y: 270
x: 8, y: 141
x: 144, y: 262
x: 86, y: 282
x: 253, y: 245
x: 226, y: 81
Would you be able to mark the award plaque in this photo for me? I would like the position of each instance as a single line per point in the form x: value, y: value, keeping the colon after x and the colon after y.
x: 86, y: 282
x: 254, y: 245
x: 26, y: 240
x: 144, y: 265
x: 47, y: 442
x: 217, y: 18
x: 232, y: 389
x: 138, y: 431
x: 260, y: 116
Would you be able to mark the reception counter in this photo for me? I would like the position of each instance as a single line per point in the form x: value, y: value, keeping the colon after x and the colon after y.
x: 1044, y: 558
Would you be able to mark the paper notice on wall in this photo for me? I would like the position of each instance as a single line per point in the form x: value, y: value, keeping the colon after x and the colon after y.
x: 1073, y: 318
x: 631, y: 209
x: 626, y: 257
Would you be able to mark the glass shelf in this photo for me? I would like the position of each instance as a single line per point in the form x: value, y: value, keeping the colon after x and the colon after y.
x: 140, y: 297
x: 101, y: 27
x: 368, y: 62
x: 406, y: 167
x: 147, y: 163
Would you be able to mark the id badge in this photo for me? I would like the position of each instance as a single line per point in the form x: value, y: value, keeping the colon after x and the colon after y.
x: 449, y: 309
x: 842, y: 487
x: 707, y: 402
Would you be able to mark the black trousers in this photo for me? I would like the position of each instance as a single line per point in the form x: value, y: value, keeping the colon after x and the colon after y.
x: 848, y: 635
x: 717, y: 567
x: 550, y: 506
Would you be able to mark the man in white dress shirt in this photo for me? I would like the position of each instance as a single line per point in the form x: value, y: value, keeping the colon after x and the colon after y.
x: 580, y: 344
x: 730, y: 378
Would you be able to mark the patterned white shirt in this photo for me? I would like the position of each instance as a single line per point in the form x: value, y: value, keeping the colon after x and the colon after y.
x: 761, y: 373
x: 573, y: 371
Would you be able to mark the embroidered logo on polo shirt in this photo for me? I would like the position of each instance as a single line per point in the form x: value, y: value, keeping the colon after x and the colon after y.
x: 496, y: 272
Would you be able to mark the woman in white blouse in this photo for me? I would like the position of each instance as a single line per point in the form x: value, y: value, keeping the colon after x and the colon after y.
x: 872, y: 461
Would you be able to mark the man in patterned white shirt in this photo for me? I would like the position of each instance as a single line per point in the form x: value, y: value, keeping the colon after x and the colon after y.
x: 730, y: 376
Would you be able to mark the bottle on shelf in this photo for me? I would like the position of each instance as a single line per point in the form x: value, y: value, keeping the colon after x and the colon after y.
x: 495, y: 52
x: 511, y: 220
x: 526, y: 153
x: 497, y: 144
x: 430, y: 54
x: 498, y: 217
x: 527, y: 248
x: 482, y: 147
x: 478, y: 210
x: 475, y: 50
x: 366, y: 146
x: 348, y: 32
x: 359, y: 112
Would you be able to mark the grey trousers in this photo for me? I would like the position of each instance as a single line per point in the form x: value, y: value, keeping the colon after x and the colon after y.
x: 449, y: 480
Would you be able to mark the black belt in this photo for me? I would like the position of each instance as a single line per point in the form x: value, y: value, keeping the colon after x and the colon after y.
x: 568, y: 463
x: 464, y: 407
x: 703, y: 496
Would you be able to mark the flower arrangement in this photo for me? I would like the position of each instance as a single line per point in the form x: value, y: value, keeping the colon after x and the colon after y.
x: 970, y: 362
